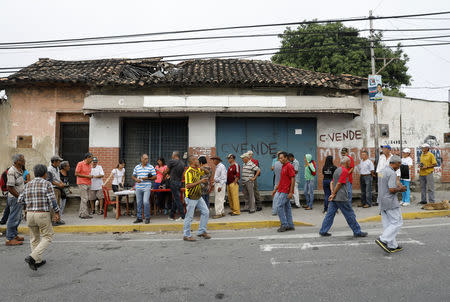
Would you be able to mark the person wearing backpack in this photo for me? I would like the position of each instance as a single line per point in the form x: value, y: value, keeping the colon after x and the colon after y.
x: 310, y: 173
x: 16, y: 185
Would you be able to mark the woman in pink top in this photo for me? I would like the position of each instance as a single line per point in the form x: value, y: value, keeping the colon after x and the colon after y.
x: 160, y: 168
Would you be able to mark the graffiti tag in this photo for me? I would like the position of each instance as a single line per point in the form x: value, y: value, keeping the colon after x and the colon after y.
x: 341, y: 136
x: 260, y: 148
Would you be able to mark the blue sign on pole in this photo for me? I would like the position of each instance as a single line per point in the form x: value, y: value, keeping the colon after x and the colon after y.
x: 375, y: 88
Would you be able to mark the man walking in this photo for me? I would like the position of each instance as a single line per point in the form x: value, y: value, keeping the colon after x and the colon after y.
x: 54, y: 177
x: 15, y: 185
x: 283, y: 193
x: 83, y: 174
x: 276, y: 167
x: 233, y: 176
x: 391, y: 214
x: 310, y: 171
x: 220, y: 184
x: 175, y: 169
x: 194, y: 200
x: 344, y: 152
x: 143, y: 174
x: 39, y: 198
x: 255, y: 183
x: 249, y: 174
x: 296, y: 166
x: 339, y: 200
x: 367, y: 172
x: 426, y: 175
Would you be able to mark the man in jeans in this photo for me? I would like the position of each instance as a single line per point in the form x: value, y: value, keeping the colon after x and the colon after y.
x: 339, y: 200
x: 248, y: 176
x: 15, y: 184
x: 83, y: 174
x: 426, y: 175
x: 143, y: 174
x: 344, y: 152
x: 175, y: 169
x: 309, y: 182
x: 367, y: 171
x: 39, y: 198
x: 283, y: 193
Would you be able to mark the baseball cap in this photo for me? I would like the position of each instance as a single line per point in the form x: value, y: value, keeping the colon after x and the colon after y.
x: 95, y: 159
x: 386, y: 146
x: 425, y: 145
x: 406, y: 150
x: 250, y: 152
x: 56, y: 158
x: 230, y: 155
x: 245, y: 155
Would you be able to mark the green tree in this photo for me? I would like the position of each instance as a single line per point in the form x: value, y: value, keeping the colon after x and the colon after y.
x: 337, y: 49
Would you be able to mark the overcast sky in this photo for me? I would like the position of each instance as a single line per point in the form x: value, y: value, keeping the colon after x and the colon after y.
x: 43, y: 20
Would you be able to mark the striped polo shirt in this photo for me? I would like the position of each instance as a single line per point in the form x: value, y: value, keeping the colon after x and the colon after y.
x: 248, y: 171
x: 191, y: 176
x: 141, y: 172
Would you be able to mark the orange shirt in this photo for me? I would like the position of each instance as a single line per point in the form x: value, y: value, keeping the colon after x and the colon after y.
x: 84, y: 169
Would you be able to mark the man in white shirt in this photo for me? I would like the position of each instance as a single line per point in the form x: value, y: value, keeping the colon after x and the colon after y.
x: 366, y: 171
x: 220, y: 184
x: 96, y: 191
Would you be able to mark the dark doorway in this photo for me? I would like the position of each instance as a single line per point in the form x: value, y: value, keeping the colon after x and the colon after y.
x: 74, y: 144
x: 156, y: 137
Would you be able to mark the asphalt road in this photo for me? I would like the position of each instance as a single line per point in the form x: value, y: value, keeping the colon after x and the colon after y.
x: 252, y: 265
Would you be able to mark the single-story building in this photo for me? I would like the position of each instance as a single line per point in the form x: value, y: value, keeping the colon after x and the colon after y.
x: 121, y: 108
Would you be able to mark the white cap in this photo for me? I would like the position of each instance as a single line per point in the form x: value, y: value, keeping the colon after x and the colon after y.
x: 406, y: 150
x: 245, y: 155
x: 425, y: 146
x: 250, y: 152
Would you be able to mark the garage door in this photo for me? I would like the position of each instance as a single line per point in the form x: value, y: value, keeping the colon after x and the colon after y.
x: 266, y: 136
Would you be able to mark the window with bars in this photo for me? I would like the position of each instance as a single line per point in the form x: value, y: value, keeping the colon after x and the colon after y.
x: 156, y: 137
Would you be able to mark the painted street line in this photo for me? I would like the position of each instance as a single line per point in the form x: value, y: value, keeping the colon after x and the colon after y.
x: 308, y: 245
x: 275, y: 262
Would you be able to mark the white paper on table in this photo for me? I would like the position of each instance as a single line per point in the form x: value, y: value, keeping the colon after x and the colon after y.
x: 126, y: 192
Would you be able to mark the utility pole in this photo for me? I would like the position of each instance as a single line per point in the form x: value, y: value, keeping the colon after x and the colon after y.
x: 375, y: 103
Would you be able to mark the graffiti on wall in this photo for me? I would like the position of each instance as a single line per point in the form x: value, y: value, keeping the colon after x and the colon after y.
x: 341, y: 136
x: 260, y: 148
x: 435, y: 150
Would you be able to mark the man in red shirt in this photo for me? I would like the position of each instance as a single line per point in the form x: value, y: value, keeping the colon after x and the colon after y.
x: 233, y: 176
x: 255, y: 184
x: 283, y: 193
x: 344, y: 152
x: 83, y: 174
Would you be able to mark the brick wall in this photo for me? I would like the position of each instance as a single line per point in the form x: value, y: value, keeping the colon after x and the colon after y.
x: 445, y: 154
x: 108, y: 158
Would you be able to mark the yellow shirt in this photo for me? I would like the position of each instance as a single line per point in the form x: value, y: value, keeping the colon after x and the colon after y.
x: 191, y: 176
x: 427, y: 160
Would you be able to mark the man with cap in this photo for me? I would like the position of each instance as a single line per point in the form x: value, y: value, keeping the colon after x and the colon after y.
x: 250, y: 172
x: 255, y: 183
x: 233, y: 176
x: 96, y: 191
x: 426, y: 175
x: 220, y: 184
x: 54, y: 178
x: 344, y: 152
x: 405, y: 175
x: 391, y: 214
x: 83, y: 174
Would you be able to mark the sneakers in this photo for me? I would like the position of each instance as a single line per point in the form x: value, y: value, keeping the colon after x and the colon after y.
x: 38, y: 265
x: 179, y: 219
x: 366, y: 206
x: 290, y: 229
x: 362, y: 234
x: 282, y: 229
x: 205, y: 236
x: 147, y: 221
x: 138, y: 220
x: 397, y: 249
x: 185, y: 238
x: 171, y: 218
x: 86, y: 217
x: 405, y: 204
x: 13, y: 242
x: 325, y: 234
x: 383, y: 245
x: 31, y: 263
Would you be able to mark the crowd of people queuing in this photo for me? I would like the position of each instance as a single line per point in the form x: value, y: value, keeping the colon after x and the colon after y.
x: 43, y: 198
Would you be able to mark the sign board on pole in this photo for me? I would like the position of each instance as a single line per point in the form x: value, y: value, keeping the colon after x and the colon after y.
x: 375, y: 88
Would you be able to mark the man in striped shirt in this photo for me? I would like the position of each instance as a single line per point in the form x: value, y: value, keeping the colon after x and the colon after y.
x: 248, y: 176
x: 39, y: 199
x: 194, y: 199
x: 143, y: 174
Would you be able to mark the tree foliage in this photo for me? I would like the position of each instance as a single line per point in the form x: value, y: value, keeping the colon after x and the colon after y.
x: 337, y: 49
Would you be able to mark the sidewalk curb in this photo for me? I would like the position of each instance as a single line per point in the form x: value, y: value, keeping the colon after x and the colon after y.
x: 172, y: 227
x: 411, y: 215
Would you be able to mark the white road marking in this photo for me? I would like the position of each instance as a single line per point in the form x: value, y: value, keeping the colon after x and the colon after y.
x: 276, y: 262
x: 308, y: 245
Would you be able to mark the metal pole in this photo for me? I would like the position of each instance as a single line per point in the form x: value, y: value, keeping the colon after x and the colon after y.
x: 401, y: 131
x: 375, y: 103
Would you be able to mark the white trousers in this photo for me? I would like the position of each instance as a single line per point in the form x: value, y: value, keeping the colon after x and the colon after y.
x: 392, y: 222
x: 296, y: 195
x: 219, y: 198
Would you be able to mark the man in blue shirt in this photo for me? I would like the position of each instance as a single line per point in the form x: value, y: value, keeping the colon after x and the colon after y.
x: 143, y: 174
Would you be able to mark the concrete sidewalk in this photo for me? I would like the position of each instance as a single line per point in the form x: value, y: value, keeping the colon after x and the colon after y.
x: 262, y: 219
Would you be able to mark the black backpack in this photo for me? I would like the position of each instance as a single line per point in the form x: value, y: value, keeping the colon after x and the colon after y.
x: 404, y: 172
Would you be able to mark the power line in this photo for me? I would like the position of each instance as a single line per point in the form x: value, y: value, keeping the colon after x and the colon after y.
x: 412, y: 29
x: 426, y: 87
x: 353, y: 19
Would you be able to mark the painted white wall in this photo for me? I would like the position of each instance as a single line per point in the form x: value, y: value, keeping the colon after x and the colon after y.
x: 202, y: 130
x: 104, y: 130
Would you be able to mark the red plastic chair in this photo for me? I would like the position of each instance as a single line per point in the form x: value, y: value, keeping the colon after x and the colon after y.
x: 109, y: 202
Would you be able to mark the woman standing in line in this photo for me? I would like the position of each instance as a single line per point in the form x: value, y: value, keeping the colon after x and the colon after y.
x: 327, y: 171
